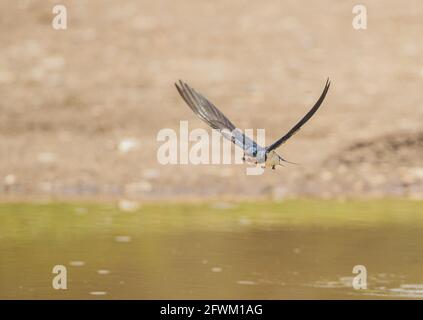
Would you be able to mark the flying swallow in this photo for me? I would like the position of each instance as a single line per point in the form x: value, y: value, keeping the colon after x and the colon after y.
x: 211, y: 115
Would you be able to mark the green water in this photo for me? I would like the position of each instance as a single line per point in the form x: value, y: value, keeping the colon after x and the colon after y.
x: 292, y: 249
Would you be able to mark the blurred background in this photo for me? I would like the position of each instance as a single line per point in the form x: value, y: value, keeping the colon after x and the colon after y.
x: 80, y: 108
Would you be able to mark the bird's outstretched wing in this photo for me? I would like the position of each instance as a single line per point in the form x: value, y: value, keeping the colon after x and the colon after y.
x: 207, y: 112
x: 298, y: 126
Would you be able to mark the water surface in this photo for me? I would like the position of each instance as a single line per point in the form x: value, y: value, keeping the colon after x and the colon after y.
x: 286, y: 250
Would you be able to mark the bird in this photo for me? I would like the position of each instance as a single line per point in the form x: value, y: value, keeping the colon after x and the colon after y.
x: 210, y: 114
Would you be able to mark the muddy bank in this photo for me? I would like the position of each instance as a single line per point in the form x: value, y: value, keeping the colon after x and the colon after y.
x: 80, y: 108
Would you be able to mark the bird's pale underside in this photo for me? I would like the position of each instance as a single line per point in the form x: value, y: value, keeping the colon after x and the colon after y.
x: 211, y: 115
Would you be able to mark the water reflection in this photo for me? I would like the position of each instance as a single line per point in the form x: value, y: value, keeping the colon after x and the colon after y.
x: 205, y: 252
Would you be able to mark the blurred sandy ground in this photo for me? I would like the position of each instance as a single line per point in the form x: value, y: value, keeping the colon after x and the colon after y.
x: 70, y: 98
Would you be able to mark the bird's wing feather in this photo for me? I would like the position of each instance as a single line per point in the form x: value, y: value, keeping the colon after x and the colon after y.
x: 298, y: 126
x: 208, y: 112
